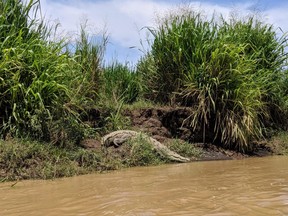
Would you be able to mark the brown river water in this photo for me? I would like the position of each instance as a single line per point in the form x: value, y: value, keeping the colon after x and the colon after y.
x: 255, y: 186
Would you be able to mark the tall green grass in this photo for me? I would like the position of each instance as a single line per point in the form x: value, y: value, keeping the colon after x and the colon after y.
x: 31, y: 71
x: 267, y: 49
x: 89, y: 52
x: 42, y: 87
x: 120, y: 84
x: 177, y: 48
x: 230, y: 72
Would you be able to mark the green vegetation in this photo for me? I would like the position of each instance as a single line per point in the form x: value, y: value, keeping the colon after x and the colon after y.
x: 42, y: 88
x: 120, y: 84
x: 142, y: 153
x: 279, y: 143
x: 233, y: 74
x: 26, y: 159
x: 185, y: 149
x: 135, y: 152
x: 22, y: 159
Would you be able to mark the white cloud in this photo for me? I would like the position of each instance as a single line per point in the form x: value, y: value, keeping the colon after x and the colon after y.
x: 124, y: 18
x: 278, y: 17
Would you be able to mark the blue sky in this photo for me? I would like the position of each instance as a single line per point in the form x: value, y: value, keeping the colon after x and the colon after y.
x: 124, y: 20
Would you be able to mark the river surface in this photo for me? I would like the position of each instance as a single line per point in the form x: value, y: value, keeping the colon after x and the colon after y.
x: 255, y: 186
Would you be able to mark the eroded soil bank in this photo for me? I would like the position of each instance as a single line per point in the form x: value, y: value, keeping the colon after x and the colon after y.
x: 166, y: 124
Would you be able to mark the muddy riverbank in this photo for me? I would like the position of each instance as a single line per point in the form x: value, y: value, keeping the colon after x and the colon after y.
x: 25, y: 159
x: 166, y: 124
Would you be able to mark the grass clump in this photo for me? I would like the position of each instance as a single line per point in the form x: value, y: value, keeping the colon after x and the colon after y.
x: 88, y: 56
x: 120, y: 84
x: 120, y: 88
x: 230, y: 72
x: 43, y: 88
x: 137, y: 151
x: 116, y: 120
x: 279, y: 143
x: 184, y: 149
x: 142, y: 153
x: 32, y: 72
